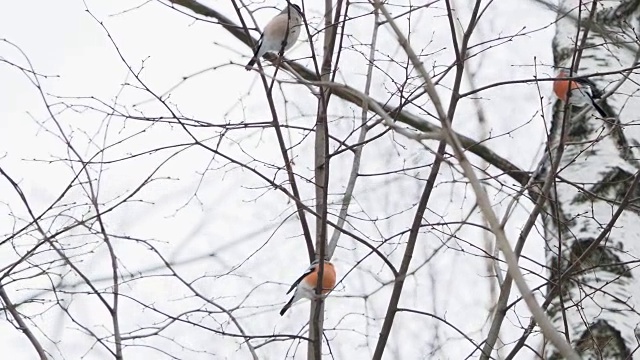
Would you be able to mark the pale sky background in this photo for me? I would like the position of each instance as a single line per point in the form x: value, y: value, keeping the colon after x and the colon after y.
x: 236, y: 240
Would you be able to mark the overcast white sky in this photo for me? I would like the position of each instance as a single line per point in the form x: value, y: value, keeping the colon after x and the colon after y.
x: 236, y: 216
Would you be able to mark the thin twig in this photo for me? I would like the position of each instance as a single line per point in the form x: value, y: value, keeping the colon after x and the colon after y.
x: 283, y: 150
x: 22, y: 326
x: 357, y: 155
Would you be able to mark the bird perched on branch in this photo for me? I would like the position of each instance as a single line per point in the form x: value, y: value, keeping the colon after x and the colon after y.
x: 279, y: 34
x: 305, y: 286
x: 578, y: 92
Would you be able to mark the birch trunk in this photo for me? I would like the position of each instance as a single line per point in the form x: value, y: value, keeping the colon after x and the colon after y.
x: 596, y: 303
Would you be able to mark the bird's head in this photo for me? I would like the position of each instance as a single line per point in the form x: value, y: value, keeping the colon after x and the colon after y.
x: 295, y: 7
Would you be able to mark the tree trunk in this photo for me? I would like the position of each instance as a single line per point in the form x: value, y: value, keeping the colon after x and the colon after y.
x: 594, y: 288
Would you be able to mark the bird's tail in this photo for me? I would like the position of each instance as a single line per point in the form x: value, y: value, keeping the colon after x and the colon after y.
x: 287, y: 305
x: 599, y: 109
x: 257, y: 52
x: 252, y: 62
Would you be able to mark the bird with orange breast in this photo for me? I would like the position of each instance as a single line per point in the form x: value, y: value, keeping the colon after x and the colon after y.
x: 578, y: 92
x: 305, y: 285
